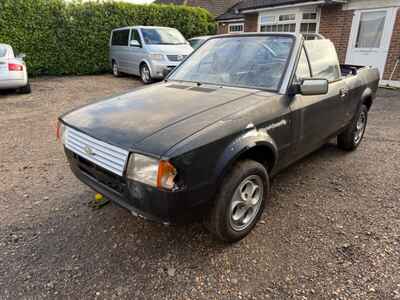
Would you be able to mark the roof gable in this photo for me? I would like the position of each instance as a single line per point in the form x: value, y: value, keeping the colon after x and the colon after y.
x: 254, y: 4
x: 241, y: 7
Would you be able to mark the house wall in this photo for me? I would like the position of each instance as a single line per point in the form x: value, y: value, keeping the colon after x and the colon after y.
x: 367, y: 4
x: 251, y: 23
x: 394, y: 51
x: 335, y: 24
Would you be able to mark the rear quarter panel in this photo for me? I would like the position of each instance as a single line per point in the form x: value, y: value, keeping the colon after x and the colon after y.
x: 361, y: 86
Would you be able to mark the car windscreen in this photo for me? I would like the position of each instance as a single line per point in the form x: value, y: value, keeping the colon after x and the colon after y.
x: 243, y: 61
x: 162, y: 36
x: 3, y: 51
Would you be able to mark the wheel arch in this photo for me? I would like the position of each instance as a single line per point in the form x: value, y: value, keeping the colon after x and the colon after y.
x: 367, y: 98
x: 145, y: 62
x: 263, y: 151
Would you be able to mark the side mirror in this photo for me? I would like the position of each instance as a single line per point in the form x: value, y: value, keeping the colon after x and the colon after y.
x: 21, y: 56
x: 314, y: 87
x: 134, y: 43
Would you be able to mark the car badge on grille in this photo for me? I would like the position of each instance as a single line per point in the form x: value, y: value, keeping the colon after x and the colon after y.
x: 89, y: 151
x: 179, y: 57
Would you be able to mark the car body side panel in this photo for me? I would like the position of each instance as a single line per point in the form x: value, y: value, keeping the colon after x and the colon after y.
x: 361, y: 87
x: 204, y: 157
x: 316, y: 119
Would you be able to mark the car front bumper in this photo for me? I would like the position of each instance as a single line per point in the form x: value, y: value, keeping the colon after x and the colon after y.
x: 158, y: 68
x: 141, y: 200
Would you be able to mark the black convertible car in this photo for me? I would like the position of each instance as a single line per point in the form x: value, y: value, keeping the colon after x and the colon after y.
x: 205, y: 142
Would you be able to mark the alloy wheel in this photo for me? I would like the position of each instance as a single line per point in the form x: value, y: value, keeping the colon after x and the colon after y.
x: 360, y: 127
x: 246, y: 202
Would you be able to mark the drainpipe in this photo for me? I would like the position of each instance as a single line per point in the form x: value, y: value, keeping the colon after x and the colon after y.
x: 395, y: 68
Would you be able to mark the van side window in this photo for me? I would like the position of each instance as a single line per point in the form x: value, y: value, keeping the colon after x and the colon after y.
x: 135, y: 36
x: 323, y: 58
x: 120, y: 37
x: 303, y: 68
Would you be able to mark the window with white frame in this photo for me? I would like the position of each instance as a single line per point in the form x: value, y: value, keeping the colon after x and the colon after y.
x: 301, y: 20
x: 236, y: 27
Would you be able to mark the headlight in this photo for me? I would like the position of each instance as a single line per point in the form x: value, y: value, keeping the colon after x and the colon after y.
x: 157, y: 56
x: 157, y: 173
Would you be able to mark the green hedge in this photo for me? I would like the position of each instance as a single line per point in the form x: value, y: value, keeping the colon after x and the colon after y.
x: 60, y: 38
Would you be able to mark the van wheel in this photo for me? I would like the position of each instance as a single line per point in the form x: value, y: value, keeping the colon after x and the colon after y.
x: 145, y: 74
x: 115, y: 69
x: 239, y: 202
x: 25, y: 89
x: 351, y: 138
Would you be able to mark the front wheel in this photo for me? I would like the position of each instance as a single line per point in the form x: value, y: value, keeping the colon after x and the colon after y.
x: 145, y: 74
x: 351, y: 138
x: 239, y: 202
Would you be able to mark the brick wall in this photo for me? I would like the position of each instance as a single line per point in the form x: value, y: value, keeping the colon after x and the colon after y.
x: 251, y: 23
x: 394, y: 51
x: 335, y: 25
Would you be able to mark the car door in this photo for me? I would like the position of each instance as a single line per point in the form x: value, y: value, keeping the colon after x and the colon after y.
x: 120, y: 49
x: 316, y: 117
x: 135, y: 52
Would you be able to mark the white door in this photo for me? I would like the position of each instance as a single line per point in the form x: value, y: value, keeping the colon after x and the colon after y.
x: 370, y: 37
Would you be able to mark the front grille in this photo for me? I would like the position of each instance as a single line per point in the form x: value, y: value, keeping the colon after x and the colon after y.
x: 102, y: 154
x: 176, y: 57
x: 99, y: 174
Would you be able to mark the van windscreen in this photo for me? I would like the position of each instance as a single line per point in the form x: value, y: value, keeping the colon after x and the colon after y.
x: 162, y: 36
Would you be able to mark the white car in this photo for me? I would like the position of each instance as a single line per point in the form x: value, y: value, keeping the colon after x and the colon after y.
x: 13, y: 71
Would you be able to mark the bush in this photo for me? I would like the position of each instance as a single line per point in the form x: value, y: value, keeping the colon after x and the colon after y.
x: 60, y: 38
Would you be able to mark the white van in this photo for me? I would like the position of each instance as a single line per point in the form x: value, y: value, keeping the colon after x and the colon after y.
x: 147, y: 51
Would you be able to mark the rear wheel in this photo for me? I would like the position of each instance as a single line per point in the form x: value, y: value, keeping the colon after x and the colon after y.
x: 145, y: 74
x: 25, y: 89
x: 351, y: 138
x: 239, y: 202
x: 115, y: 69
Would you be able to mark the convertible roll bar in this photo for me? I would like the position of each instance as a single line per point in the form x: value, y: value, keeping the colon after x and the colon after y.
x: 316, y: 36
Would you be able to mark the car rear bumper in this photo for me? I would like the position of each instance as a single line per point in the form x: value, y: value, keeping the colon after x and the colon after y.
x: 140, y: 199
x: 13, y: 83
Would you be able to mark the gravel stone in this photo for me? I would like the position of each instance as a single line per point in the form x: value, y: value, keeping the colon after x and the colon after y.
x: 329, y: 231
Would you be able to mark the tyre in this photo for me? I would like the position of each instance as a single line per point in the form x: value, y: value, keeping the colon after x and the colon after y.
x: 351, y: 138
x: 145, y: 74
x: 239, y: 202
x: 25, y: 89
x: 115, y: 69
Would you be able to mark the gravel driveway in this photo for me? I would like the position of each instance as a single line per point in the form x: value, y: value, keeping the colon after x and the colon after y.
x: 331, y: 229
